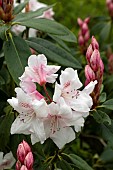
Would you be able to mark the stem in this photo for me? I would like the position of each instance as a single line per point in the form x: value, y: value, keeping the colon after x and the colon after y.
x: 47, y: 94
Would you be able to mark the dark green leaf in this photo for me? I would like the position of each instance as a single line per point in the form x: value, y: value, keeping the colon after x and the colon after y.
x: 105, y: 32
x: 3, y: 30
x: 53, y: 52
x: 64, y: 165
x: 24, y: 17
x: 79, y: 162
x: 20, y: 7
x: 108, y: 104
x: 5, y: 126
x: 102, y: 97
x: 16, y: 54
x: 50, y: 26
x: 101, y: 117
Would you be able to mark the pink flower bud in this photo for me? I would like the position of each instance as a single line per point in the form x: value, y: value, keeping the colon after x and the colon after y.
x: 94, y: 43
x: 23, y: 167
x: 0, y: 3
x: 89, y: 73
x: 101, y: 67
x: 80, y: 22
x: 87, y: 20
x: 87, y: 36
x: 81, y: 40
x: 95, y: 60
x: 29, y: 161
x: 89, y: 53
x: 84, y: 28
x: 18, y: 165
x: 108, y: 2
x: 22, y: 151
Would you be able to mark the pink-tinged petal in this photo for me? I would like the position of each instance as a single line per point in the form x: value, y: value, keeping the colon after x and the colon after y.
x: 51, y: 69
x: 63, y: 136
x: 8, y: 161
x: 69, y: 75
x: 90, y: 87
x: 40, y: 108
x: 27, y: 75
x: 51, y: 78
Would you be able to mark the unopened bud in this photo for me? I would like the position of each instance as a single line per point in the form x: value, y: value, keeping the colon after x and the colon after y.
x: 95, y: 60
x: 21, y: 153
x: 23, y: 167
x: 29, y: 161
x: 89, y: 53
x: 80, y: 22
x: 89, y: 73
x: 26, y: 147
x: 87, y: 20
x: 94, y: 43
x: 87, y: 36
x: 18, y: 165
x: 81, y: 40
x: 84, y: 28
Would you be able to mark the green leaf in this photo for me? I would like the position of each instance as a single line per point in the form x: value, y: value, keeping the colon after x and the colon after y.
x: 5, y: 126
x: 23, y: 17
x: 105, y: 32
x: 53, y: 52
x: 79, y: 162
x: 20, y: 7
x: 101, y: 117
x: 16, y: 54
x: 3, y: 29
x: 108, y: 104
x: 50, y: 26
x: 64, y: 165
x: 102, y: 97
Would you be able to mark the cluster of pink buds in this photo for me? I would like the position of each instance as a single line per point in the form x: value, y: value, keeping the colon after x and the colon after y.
x: 94, y: 69
x: 109, y: 4
x: 25, y: 157
x: 84, y: 34
x: 6, y: 8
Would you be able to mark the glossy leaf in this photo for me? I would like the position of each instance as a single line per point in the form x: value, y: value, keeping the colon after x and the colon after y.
x: 20, y: 7
x: 53, y: 52
x: 101, y: 117
x: 23, y: 17
x: 102, y: 97
x: 50, y: 26
x: 3, y: 30
x: 63, y: 164
x: 5, y: 126
x: 108, y: 104
x: 105, y: 32
x: 16, y: 54
x: 79, y: 162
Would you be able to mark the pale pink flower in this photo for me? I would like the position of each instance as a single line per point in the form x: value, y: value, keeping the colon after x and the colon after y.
x: 38, y: 70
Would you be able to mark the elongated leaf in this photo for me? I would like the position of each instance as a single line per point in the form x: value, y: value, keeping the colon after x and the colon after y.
x: 53, y: 52
x: 20, y: 7
x: 16, y: 54
x: 50, y: 26
x: 22, y: 17
x: 64, y: 165
x: 3, y: 30
x: 108, y: 104
x: 101, y: 117
x: 105, y: 31
x: 102, y: 97
x: 5, y: 129
x: 79, y: 162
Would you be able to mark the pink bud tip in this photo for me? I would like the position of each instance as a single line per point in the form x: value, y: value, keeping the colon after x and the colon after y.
x: 81, y: 40
x: 95, y: 60
x: 87, y: 20
x: 18, y: 165
x: 87, y: 36
x: 80, y: 22
x: 94, y: 43
x: 84, y: 28
x: 29, y: 161
x: 89, y: 52
x: 23, y: 167
x: 89, y: 73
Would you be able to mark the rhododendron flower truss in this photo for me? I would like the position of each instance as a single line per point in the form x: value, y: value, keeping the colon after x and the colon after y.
x: 28, y: 122
x: 79, y: 101
x: 38, y: 70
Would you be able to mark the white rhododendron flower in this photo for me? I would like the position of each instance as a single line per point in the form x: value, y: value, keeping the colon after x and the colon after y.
x: 28, y: 122
x: 43, y: 117
x: 33, y: 6
x: 38, y: 70
x: 7, y: 161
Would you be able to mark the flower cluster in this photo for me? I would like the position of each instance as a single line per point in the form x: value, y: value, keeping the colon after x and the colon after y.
x: 25, y: 157
x: 33, y: 5
x: 6, y: 8
x: 109, y: 4
x: 46, y: 117
x: 94, y: 69
x: 84, y: 34
x: 7, y: 161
